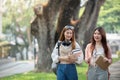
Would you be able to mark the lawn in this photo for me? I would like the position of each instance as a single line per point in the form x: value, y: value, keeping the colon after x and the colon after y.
x: 49, y: 76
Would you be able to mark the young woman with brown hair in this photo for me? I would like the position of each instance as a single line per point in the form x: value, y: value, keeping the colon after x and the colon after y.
x: 97, y: 47
x: 70, y: 53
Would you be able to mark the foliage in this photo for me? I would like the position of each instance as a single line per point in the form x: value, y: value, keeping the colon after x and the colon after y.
x: 118, y: 53
x: 109, y: 16
x: 16, y: 22
x: 115, y: 60
x: 16, y: 14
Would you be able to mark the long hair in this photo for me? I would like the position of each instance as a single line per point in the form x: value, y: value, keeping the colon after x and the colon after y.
x: 62, y: 37
x: 103, y: 40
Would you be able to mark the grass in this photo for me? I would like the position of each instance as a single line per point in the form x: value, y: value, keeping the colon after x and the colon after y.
x: 115, y: 59
x: 49, y: 76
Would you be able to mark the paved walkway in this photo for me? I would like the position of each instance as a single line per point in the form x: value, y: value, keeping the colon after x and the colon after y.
x: 115, y: 71
x: 8, y: 67
x: 5, y: 61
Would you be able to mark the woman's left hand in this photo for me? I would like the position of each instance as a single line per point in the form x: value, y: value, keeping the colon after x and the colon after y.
x: 106, y: 59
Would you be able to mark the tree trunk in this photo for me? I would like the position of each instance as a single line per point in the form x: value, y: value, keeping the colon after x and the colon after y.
x: 44, y: 25
x: 67, y: 11
x: 89, y: 20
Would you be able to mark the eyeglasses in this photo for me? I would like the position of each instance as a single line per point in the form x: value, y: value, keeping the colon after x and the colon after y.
x: 69, y: 27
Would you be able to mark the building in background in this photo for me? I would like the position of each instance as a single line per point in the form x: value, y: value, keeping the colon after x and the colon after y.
x: 114, y: 41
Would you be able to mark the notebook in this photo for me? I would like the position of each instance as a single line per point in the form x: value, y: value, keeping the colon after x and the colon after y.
x: 100, y: 62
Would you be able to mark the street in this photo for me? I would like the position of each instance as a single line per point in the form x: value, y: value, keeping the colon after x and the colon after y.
x: 115, y: 71
x: 16, y: 67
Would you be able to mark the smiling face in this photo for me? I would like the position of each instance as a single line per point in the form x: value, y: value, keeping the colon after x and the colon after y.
x: 97, y: 36
x: 68, y: 34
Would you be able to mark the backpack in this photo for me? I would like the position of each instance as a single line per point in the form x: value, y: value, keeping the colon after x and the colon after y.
x: 55, y: 65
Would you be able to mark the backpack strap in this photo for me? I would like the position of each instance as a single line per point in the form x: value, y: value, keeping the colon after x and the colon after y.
x: 59, y: 43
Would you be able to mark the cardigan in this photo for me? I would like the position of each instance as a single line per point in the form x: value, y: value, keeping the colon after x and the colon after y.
x: 66, y: 50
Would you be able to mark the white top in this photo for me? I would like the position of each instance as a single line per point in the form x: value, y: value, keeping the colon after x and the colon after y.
x: 66, y: 50
x: 96, y: 53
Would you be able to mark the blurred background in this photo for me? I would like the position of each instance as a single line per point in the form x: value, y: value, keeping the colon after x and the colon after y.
x: 29, y: 29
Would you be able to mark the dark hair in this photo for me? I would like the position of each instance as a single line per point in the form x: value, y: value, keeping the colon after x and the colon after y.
x: 103, y: 41
x: 62, y: 37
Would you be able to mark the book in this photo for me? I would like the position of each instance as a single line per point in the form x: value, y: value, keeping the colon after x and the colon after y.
x: 101, y: 63
x: 75, y: 50
x: 79, y: 55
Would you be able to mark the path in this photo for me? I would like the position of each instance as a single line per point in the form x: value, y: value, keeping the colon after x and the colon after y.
x: 16, y: 67
x: 115, y: 71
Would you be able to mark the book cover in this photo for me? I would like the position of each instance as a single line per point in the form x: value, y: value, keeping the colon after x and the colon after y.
x: 101, y: 63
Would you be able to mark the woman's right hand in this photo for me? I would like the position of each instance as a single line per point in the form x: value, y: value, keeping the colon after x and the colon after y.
x: 64, y: 58
x: 72, y: 58
x: 69, y: 58
x: 88, y: 61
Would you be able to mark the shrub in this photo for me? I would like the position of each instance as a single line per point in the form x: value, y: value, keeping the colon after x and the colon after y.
x: 118, y: 53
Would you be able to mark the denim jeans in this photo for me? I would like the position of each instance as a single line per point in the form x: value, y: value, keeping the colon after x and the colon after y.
x: 96, y: 73
x: 67, y: 72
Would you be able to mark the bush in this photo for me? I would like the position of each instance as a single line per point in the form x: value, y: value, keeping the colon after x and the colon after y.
x: 118, y: 53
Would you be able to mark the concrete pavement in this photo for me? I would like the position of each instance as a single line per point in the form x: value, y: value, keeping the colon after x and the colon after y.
x: 115, y: 71
x: 16, y: 67
x: 5, y: 61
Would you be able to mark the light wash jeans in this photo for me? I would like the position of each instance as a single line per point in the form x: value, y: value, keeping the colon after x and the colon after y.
x: 67, y: 72
x: 96, y: 73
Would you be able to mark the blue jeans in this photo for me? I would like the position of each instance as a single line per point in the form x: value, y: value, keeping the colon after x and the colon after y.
x: 96, y: 73
x: 67, y: 72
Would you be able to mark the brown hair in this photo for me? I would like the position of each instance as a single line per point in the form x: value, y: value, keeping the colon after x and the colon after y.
x: 62, y: 37
x: 103, y: 41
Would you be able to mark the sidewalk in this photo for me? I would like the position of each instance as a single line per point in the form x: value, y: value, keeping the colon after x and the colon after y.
x: 5, y: 61
x: 8, y: 67
x: 115, y: 71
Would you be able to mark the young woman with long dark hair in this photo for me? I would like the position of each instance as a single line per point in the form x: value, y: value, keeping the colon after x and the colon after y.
x: 97, y: 47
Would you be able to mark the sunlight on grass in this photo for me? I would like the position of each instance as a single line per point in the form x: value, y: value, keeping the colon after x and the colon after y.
x: 82, y: 69
x: 32, y: 76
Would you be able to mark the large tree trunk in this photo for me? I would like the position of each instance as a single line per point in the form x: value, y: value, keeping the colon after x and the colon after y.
x: 89, y: 20
x: 44, y: 25
x: 67, y: 11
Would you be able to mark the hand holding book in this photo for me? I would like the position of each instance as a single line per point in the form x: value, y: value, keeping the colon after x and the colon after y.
x: 102, y: 62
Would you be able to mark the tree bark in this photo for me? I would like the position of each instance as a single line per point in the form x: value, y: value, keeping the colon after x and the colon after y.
x: 43, y: 27
x: 89, y: 20
x: 67, y: 11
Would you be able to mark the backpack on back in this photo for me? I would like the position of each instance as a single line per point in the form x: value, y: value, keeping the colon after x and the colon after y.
x: 55, y: 65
